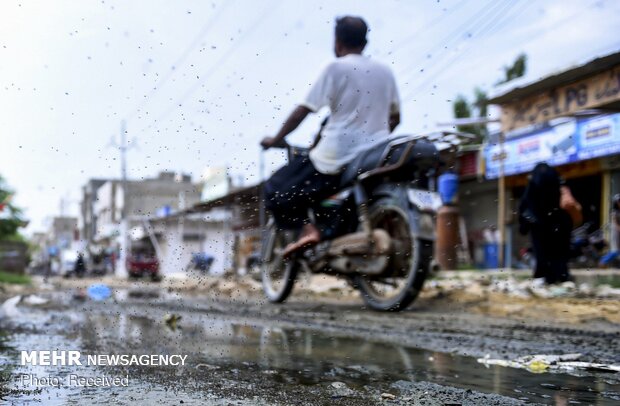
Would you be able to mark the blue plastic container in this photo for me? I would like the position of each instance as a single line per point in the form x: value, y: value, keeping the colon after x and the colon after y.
x: 491, y: 256
x: 448, y: 187
x: 99, y: 292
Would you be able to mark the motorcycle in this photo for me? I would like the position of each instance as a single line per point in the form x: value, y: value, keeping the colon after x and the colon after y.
x: 587, y: 246
x: 378, y: 231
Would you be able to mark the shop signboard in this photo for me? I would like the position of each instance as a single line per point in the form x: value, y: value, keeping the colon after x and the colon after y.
x: 567, y: 142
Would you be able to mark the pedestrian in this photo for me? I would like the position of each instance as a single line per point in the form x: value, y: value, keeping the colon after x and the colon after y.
x: 541, y: 215
x: 80, y: 266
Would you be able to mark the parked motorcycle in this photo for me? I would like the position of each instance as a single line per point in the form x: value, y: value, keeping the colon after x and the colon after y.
x: 200, y: 261
x: 378, y: 231
x: 587, y: 246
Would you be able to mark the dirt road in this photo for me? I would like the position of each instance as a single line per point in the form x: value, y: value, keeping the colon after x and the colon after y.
x: 316, y: 349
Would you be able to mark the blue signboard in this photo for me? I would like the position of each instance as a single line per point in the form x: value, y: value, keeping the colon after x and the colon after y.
x: 571, y: 141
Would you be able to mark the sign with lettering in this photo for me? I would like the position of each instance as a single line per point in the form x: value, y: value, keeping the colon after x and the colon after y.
x: 567, y: 142
x: 588, y: 93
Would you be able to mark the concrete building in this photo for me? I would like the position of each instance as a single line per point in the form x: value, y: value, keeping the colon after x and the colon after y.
x: 88, y: 220
x: 144, y: 199
x: 63, y: 232
x: 229, y: 224
x: 180, y: 236
x: 106, y: 200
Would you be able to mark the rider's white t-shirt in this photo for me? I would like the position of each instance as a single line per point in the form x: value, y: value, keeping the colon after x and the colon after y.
x: 361, y: 95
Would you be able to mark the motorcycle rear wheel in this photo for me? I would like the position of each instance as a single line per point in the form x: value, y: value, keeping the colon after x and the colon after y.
x: 277, y: 274
x: 409, y: 265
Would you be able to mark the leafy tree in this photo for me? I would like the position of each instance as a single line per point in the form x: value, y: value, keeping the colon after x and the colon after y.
x: 516, y: 70
x: 10, y: 215
x: 477, y: 108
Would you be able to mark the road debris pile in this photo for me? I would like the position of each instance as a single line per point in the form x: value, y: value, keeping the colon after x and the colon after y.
x: 523, y: 288
x: 551, y: 363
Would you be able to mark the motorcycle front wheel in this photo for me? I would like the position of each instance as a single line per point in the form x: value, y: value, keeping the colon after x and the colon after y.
x: 278, y: 274
x: 409, y: 263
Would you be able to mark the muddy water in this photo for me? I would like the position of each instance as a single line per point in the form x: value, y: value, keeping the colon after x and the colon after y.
x: 311, y: 357
x: 287, y: 357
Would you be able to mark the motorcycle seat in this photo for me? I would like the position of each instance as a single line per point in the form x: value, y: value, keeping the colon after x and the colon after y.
x: 422, y: 156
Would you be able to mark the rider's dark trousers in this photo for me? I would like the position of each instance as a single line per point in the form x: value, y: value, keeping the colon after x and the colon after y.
x: 296, y: 188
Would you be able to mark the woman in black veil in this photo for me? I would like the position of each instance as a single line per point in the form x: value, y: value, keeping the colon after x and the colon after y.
x: 549, y: 225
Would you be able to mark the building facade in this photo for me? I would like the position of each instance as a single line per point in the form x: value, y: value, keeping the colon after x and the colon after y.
x: 571, y: 120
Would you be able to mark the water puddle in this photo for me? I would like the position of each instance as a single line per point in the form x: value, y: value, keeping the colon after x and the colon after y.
x: 299, y: 357
x: 310, y: 357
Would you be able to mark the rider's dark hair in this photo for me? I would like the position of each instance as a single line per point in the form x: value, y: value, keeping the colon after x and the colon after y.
x: 351, y: 31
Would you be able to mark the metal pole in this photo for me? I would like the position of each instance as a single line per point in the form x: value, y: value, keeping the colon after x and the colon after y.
x: 123, y: 150
x: 125, y: 240
x: 501, y: 203
x: 261, y: 203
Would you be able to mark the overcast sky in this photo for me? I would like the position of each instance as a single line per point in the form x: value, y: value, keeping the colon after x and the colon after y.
x: 201, y: 82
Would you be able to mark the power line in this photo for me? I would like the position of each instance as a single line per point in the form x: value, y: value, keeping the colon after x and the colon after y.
x: 490, y: 31
x: 179, y: 62
x: 493, y: 21
x: 216, y: 65
x: 433, y: 22
x: 442, y: 45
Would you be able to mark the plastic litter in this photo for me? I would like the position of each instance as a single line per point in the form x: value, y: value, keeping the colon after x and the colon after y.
x: 171, y: 320
x: 545, y: 362
x: 99, y: 292
x: 34, y: 300
x: 9, y: 307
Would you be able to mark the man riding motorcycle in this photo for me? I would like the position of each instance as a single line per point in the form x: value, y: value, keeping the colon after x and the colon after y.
x: 364, y: 109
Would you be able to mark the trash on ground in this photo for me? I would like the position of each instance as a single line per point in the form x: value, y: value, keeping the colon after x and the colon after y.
x: 99, y: 292
x: 34, y: 300
x: 544, y: 362
x: 9, y: 307
x: 171, y: 320
x: 341, y: 390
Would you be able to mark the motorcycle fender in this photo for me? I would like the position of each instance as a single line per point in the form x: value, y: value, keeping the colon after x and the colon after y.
x: 422, y: 221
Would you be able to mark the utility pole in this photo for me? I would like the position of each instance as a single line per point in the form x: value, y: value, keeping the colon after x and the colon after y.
x: 501, y: 204
x: 124, y: 225
x: 123, y: 150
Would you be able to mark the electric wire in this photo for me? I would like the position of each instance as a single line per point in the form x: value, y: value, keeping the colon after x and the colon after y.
x: 214, y: 68
x: 181, y: 59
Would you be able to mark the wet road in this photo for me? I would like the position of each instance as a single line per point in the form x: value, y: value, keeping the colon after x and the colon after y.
x: 249, y: 352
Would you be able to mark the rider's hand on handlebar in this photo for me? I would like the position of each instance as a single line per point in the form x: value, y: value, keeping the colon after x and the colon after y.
x: 272, y: 142
x: 267, y: 142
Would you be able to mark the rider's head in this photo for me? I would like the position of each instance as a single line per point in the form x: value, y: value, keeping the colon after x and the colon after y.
x: 350, y: 35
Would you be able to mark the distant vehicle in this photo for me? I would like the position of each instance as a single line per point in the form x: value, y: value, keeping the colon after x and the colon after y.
x: 141, y: 264
x: 200, y: 261
x: 587, y: 246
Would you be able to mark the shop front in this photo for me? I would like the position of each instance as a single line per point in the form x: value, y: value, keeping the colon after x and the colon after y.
x: 571, y: 121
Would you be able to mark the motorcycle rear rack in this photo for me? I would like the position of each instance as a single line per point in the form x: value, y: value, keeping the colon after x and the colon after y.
x: 382, y: 168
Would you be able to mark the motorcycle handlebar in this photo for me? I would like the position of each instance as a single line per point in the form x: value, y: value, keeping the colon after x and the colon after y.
x: 279, y: 145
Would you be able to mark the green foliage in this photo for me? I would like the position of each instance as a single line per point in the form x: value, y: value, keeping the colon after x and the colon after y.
x: 464, y: 109
x: 516, y: 70
x: 17, y: 279
x: 478, y: 108
x: 461, y: 107
x: 10, y: 215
